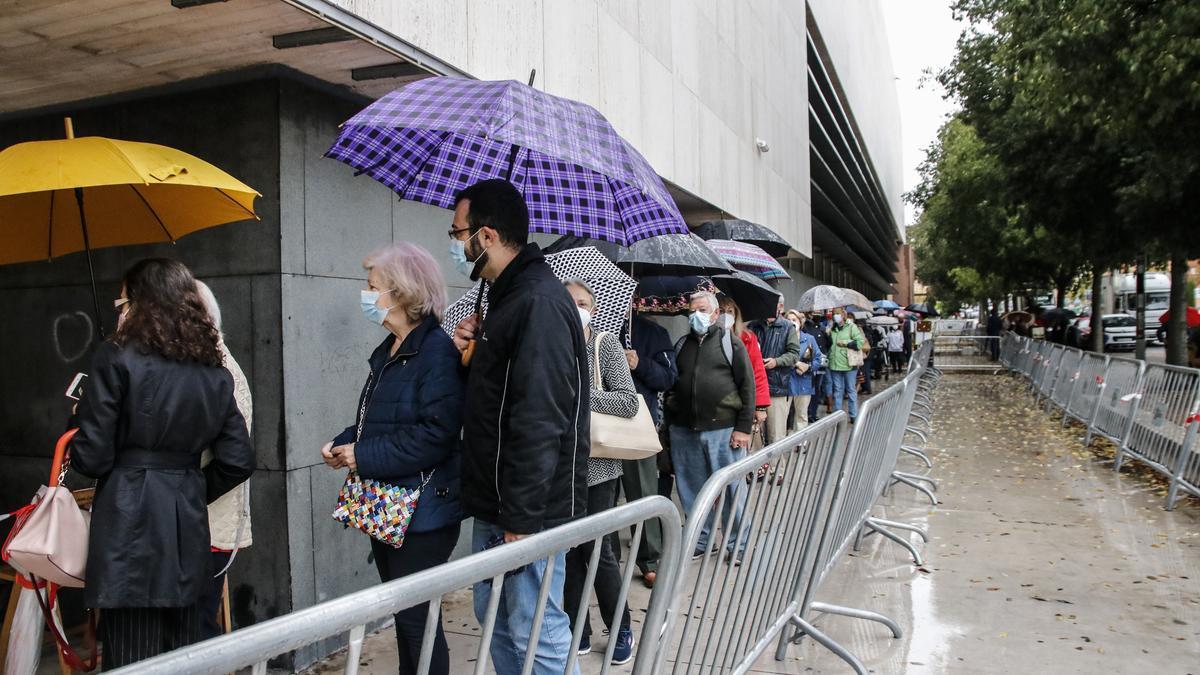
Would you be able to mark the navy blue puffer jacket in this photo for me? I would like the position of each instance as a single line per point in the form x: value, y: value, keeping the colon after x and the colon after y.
x: 413, y: 421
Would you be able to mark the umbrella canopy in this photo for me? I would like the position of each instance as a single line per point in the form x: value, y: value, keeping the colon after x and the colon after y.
x: 886, y: 305
x: 923, y: 308
x: 613, y: 288
x: 1057, y: 314
x: 754, y: 297
x: 1193, y: 317
x: 819, y: 298
x: 853, y: 297
x: 132, y: 193
x: 77, y: 194
x: 431, y: 138
x: 748, y: 258
x: 668, y: 254
x: 883, y: 321
x: 745, y: 231
x: 1018, y: 314
x: 670, y: 295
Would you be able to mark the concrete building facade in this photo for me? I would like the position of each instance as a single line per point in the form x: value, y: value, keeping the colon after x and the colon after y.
x: 258, y: 87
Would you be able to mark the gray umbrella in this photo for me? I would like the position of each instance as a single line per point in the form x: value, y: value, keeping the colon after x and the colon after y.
x: 664, y: 255
x: 744, y: 231
x: 820, y: 298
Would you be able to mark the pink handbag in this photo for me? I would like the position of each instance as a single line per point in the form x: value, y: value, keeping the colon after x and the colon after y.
x: 50, y: 537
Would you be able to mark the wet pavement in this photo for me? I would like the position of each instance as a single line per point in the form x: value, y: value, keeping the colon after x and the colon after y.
x: 1041, y: 559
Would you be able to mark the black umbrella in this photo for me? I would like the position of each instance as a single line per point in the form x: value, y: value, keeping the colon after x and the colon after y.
x: 753, y: 296
x: 745, y: 231
x: 922, y: 308
x: 668, y: 254
x: 1057, y: 314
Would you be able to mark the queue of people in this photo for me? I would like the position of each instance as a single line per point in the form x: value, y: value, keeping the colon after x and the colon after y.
x: 491, y: 422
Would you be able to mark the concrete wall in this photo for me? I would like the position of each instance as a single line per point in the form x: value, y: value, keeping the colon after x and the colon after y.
x: 855, y: 35
x: 691, y: 83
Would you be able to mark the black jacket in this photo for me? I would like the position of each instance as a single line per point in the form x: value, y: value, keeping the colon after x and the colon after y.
x: 143, y: 423
x: 526, y: 427
x: 778, y: 340
x: 412, y: 421
x: 656, y: 362
x: 712, y: 392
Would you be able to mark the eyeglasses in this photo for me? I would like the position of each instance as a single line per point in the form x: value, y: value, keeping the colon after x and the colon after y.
x: 454, y: 232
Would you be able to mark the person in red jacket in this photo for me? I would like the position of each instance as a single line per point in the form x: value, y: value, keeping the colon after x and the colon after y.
x: 731, y: 318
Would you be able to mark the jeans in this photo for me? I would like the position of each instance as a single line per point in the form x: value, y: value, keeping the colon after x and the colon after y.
x: 897, y: 360
x: 821, y: 392
x: 868, y: 369
x: 608, y: 573
x: 515, y: 616
x: 698, y: 455
x: 639, y: 478
x: 844, y: 385
x: 421, y: 551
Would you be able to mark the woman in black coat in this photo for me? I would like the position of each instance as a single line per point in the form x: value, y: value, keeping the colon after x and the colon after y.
x: 156, y: 398
x: 408, y: 425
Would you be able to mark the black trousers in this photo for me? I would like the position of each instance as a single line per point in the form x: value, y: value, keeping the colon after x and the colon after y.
x: 421, y: 550
x: 608, y: 572
x: 131, y: 634
x: 210, y: 602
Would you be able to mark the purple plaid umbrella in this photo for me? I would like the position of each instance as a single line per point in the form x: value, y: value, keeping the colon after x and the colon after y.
x: 434, y: 137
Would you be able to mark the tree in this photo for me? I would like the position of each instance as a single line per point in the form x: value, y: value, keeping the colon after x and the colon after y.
x: 1091, y: 105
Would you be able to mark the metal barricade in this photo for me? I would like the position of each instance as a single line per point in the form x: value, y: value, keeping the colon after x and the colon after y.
x: 967, y: 353
x: 870, y: 459
x: 1064, y: 384
x: 1163, y: 430
x: 735, y: 601
x: 1010, y: 345
x: 1115, y: 405
x: 1051, y: 362
x: 253, y: 646
x: 1028, y: 358
x: 1037, y: 368
x: 1087, y: 391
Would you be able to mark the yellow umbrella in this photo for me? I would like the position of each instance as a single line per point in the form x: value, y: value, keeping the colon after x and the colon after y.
x: 76, y: 194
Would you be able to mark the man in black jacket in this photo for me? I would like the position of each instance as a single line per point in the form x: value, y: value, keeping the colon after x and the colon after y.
x: 779, y: 341
x: 710, y: 411
x: 526, y: 415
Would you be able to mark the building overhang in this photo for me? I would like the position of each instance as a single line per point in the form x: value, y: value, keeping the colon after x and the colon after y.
x: 54, y: 52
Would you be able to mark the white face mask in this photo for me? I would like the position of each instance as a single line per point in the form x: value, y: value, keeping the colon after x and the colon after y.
x: 585, y: 316
x: 726, y: 321
x: 839, y: 319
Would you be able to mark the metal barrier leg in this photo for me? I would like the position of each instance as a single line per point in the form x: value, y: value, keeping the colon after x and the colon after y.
x: 918, y: 433
x: 917, y: 486
x: 858, y: 537
x: 916, y: 477
x: 917, y: 453
x: 902, y: 526
x: 824, y: 640
x: 859, y: 614
x: 899, y: 540
x: 354, y: 653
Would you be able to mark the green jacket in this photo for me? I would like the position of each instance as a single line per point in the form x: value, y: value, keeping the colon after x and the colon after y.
x: 838, y: 358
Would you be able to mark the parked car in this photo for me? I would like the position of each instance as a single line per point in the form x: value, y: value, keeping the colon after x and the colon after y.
x: 1120, y: 332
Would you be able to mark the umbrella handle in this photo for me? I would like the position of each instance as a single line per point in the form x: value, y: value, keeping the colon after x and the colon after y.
x: 468, y: 353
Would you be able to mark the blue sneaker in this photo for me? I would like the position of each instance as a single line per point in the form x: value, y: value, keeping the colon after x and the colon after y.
x: 623, y: 653
x: 585, y: 645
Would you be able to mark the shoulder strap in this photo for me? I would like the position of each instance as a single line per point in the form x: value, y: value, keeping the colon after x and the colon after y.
x: 727, y: 346
x: 596, y: 361
x: 679, y: 344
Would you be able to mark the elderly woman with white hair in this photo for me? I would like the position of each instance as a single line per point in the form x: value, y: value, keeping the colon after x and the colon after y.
x: 229, y: 516
x: 407, y: 428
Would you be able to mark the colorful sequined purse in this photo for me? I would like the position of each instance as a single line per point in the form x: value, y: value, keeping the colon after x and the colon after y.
x: 379, y: 508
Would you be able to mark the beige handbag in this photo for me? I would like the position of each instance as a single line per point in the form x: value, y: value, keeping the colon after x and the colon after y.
x: 616, y: 437
x: 50, y: 538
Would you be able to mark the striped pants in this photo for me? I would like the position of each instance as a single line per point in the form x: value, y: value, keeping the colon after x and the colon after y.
x: 132, y: 634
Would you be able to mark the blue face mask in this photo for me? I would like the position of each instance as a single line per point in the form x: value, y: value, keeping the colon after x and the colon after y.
x: 374, y: 313
x: 699, y: 321
x: 458, y: 255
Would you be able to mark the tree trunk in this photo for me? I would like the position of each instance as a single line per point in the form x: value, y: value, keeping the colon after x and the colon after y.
x: 1062, y: 295
x: 1097, y: 322
x: 1177, y: 323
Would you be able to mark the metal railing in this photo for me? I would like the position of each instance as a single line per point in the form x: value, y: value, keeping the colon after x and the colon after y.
x: 967, y: 352
x: 1163, y: 428
x: 255, y: 645
x: 1151, y: 412
x: 746, y: 588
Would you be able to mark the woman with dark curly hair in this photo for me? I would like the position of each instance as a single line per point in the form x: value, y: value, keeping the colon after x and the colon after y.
x: 156, y: 398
